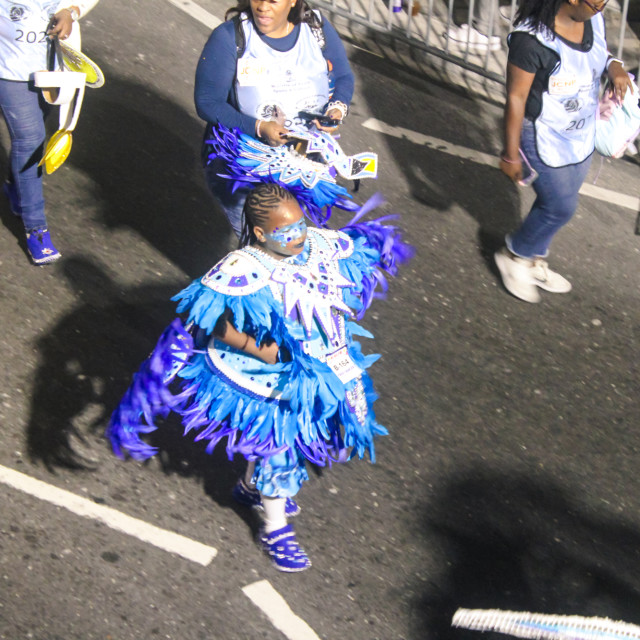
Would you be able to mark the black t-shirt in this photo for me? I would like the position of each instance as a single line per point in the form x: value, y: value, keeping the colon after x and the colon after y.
x: 529, y: 54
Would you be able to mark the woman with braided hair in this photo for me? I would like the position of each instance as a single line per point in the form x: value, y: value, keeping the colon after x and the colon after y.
x: 267, y: 358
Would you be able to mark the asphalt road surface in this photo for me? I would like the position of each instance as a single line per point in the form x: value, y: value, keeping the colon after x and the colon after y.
x: 509, y: 478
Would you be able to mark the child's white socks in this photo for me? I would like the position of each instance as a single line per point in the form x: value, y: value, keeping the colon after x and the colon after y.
x: 274, y: 513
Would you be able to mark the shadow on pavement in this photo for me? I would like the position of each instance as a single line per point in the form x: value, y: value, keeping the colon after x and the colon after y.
x: 518, y: 543
x: 142, y: 150
x: 436, y: 179
x: 87, y: 359
x: 87, y: 362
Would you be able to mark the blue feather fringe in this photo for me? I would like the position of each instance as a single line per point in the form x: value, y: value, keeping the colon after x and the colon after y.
x: 232, y: 146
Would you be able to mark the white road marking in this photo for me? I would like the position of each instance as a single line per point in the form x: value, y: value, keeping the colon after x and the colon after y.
x: 429, y: 141
x: 197, y: 12
x: 622, y: 200
x: 274, y: 606
x: 606, y: 195
x: 166, y: 540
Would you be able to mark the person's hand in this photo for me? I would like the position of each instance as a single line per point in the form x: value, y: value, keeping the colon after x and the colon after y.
x: 61, y: 24
x: 620, y: 80
x: 334, y: 114
x: 269, y: 352
x: 511, y: 168
x: 272, y: 133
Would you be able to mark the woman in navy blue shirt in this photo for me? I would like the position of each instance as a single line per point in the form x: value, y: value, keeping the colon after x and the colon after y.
x: 259, y: 70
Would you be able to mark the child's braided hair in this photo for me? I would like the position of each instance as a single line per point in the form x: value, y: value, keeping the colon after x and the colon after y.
x: 257, y: 207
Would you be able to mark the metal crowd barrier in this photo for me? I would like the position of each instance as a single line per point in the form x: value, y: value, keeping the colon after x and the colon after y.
x: 424, y: 24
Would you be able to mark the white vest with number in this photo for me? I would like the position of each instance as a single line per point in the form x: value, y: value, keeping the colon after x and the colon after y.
x: 23, y: 37
x: 276, y: 85
x: 566, y: 126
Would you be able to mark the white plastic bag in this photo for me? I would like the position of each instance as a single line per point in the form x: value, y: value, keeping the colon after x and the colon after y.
x: 618, y: 123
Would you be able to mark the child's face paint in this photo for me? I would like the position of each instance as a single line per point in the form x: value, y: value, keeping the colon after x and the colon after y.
x: 286, y: 231
x: 285, y: 235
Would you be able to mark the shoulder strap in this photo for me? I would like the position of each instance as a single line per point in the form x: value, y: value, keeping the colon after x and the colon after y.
x: 239, y: 34
x: 315, y: 24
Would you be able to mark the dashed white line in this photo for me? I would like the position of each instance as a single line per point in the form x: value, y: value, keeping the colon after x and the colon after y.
x: 274, y: 606
x: 622, y: 200
x: 197, y: 12
x: 161, y: 538
x: 598, y: 193
x: 429, y: 141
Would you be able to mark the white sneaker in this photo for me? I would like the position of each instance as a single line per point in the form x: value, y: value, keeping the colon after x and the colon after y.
x: 468, y: 36
x: 516, y: 275
x: 547, y: 279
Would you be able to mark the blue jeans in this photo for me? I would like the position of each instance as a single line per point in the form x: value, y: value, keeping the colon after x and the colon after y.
x: 24, y: 111
x: 231, y: 203
x: 557, y: 198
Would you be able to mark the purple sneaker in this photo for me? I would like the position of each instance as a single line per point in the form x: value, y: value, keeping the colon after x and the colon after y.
x: 40, y: 246
x: 283, y: 549
x: 251, y: 498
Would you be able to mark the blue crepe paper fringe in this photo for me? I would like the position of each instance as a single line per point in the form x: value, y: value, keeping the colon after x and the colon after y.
x: 213, y: 409
x: 228, y: 145
x: 148, y: 396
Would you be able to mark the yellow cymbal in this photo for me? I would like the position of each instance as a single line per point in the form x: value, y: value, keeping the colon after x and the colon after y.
x: 57, y: 151
x: 77, y: 61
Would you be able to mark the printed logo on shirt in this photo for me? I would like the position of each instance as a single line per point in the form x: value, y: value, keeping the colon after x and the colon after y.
x: 572, y: 105
x: 18, y: 12
x: 563, y: 85
x: 273, y: 112
x: 251, y: 72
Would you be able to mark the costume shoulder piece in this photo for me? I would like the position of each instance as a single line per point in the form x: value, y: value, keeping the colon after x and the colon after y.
x: 338, y: 244
x: 238, y: 274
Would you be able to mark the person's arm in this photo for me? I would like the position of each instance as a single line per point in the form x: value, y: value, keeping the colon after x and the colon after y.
x: 519, y: 84
x: 337, y: 60
x: 227, y: 333
x: 215, y: 75
x: 619, y: 78
x: 66, y: 14
x: 335, y: 53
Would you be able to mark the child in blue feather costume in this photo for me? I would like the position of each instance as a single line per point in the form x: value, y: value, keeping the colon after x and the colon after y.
x: 267, y: 358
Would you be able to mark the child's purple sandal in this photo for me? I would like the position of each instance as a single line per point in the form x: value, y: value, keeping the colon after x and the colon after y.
x: 283, y: 549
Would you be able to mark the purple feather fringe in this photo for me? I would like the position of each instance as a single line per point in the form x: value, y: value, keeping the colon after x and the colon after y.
x: 149, y: 396
x: 386, y: 240
x: 225, y: 144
